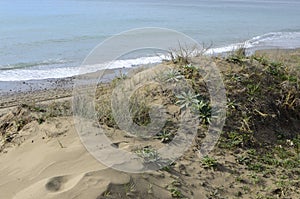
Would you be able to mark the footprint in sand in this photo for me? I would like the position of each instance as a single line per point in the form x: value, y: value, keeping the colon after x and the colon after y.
x: 54, y: 184
x: 84, y: 185
x: 50, y: 187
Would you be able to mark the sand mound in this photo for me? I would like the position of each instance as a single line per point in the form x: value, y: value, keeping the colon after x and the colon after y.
x: 41, y: 154
x: 52, y: 163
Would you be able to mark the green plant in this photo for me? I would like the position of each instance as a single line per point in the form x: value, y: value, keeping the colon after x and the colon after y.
x: 296, y: 144
x: 130, y: 188
x: 235, y: 139
x: 209, y: 162
x: 275, y: 68
x: 40, y: 120
x: 106, y: 194
x: 204, y: 111
x: 255, y: 178
x: 238, y: 56
x: 252, y: 152
x: 262, y: 60
x: 119, y: 78
x: 189, y: 67
x: 269, y: 159
x: 282, y: 183
x: 240, y: 179
x: 246, y: 188
x: 33, y: 107
x: 148, y: 154
x: 20, y: 124
x: 290, y: 163
x: 214, y: 194
x: 231, y: 104
x: 168, y: 167
x: 187, y: 99
x: 282, y: 152
x: 245, y: 123
x: 239, y: 194
x: 176, y: 193
x: 56, y: 109
x: 235, y: 77
x: 139, y: 111
x: 182, y: 55
x: 243, y: 160
x: 258, y: 167
x: 172, y: 76
x: 104, y: 113
x: 253, y: 89
x: 165, y: 136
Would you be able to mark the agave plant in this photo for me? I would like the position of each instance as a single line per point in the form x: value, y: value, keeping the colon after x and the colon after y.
x: 187, y: 99
x: 172, y: 75
x: 148, y: 154
x: 204, y: 111
x: 164, y: 136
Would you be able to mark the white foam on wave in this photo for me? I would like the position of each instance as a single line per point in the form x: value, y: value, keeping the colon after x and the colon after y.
x: 270, y: 40
x: 225, y: 49
x: 283, y: 40
x: 277, y: 40
x: 40, y: 72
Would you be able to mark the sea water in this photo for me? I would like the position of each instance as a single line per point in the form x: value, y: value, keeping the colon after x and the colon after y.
x: 42, y: 39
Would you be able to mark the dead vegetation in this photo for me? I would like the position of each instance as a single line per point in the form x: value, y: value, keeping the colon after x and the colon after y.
x: 12, y: 123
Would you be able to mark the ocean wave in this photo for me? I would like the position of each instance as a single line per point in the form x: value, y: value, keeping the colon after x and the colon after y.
x: 279, y: 40
x: 64, y: 68
x: 49, y: 72
x: 275, y: 37
x: 35, y: 65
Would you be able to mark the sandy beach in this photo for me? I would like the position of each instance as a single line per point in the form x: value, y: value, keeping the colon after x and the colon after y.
x: 42, y: 156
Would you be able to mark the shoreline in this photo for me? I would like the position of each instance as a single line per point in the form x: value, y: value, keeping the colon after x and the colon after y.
x: 14, y: 93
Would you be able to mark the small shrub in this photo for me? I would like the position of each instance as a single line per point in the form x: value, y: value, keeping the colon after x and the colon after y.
x: 165, y: 136
x: 275, y: 68
x: 262, y: 60
x: 238, y: 56
x: 209, y: 162
x: 176, y: 193
x: 182, y: 55
x: 256, y: 167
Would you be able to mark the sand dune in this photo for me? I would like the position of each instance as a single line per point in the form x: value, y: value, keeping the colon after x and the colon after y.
x: 41, y: 154
x: 47, y: 165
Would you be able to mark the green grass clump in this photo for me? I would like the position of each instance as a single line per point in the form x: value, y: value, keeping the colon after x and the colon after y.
x: 209, y: 162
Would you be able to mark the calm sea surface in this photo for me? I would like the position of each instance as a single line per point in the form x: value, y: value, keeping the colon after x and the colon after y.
x: 50, y: 38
